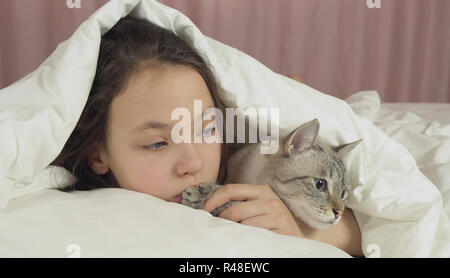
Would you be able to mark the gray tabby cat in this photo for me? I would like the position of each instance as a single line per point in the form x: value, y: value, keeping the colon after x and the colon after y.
x: 309, y: 177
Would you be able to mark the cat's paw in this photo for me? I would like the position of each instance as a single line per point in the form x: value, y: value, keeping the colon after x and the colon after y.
x: 196, y: 196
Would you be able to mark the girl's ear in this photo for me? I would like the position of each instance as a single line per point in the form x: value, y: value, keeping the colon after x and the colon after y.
x: 97, y: 160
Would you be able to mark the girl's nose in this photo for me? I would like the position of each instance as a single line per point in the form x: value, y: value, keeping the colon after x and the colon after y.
x: 190, y: 161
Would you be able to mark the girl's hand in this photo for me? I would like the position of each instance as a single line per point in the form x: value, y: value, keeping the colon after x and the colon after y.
x: 262, y: 208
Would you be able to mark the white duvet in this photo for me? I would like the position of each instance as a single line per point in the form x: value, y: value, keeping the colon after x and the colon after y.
x: 424, y: 131
x: 399, y: 210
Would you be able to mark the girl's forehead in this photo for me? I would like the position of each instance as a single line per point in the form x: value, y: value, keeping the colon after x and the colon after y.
x: 155, y: 93
x: 166, y: 85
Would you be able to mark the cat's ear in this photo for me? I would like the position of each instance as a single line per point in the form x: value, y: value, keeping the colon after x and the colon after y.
x: 302, y: 138
x: 345, y: 149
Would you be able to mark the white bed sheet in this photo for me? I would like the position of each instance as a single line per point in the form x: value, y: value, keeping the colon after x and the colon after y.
x: 423, y: 128
x: 439, y: 112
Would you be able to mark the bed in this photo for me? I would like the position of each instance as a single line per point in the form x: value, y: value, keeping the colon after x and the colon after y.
x: 115, y: 222
x: 400, y: 196
x: 423, y: 128
x: 44, y: 223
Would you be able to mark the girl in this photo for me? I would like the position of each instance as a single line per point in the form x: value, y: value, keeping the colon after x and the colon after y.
x: 123, y: 137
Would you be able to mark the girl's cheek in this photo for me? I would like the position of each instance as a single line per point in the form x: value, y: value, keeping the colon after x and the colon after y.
x: 151, y: 177
x: 213, y: 154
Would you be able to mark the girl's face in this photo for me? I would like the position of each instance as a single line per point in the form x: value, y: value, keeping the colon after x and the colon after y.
x: 141, y: 154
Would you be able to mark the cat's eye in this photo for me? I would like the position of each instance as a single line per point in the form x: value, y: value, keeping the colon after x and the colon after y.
x: 343, y: 195
x: 321, y: 185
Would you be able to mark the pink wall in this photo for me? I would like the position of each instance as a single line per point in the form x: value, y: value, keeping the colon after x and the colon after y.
x: 30, y: 30
x: 402, y: 49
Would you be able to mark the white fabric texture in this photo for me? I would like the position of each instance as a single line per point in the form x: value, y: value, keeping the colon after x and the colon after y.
x: 123, y: 223
x: 424, y: 129
x: 398, y: 209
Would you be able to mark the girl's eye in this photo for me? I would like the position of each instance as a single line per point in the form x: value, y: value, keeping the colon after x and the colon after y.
x: 210, y: 131
x: 321, y: 185
x: 155, y: 146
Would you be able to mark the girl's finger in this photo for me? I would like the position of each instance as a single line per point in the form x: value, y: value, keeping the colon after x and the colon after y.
x: 260, y: 214
x: 241, y: 211
x: 260, y: 221
x: 236, y: 192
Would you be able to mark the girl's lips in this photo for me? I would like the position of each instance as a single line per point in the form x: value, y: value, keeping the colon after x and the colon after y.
x: 178, y: 198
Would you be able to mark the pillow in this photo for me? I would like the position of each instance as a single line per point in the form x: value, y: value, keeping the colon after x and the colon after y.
x: 391, y: 196
x: 122, y: 223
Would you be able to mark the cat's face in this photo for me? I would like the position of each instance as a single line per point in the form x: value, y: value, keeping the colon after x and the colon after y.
x: 311, y: 179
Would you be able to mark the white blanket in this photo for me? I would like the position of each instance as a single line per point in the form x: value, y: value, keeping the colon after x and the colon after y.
x: 425, y: 132
x: 399, y: 210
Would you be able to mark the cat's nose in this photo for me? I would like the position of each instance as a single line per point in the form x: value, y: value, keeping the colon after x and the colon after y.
x: 337, y: 213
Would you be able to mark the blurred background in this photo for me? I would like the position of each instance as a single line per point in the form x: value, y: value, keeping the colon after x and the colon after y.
x: 339, y: 47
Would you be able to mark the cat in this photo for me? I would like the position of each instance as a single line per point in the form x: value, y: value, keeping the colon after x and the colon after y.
x: 309, y: 177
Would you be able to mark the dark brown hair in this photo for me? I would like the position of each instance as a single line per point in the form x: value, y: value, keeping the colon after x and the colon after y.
x: 124, y: 50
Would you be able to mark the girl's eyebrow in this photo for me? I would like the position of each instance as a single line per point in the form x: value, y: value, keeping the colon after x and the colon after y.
x: 150, y: 125
x: 157, y: 125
